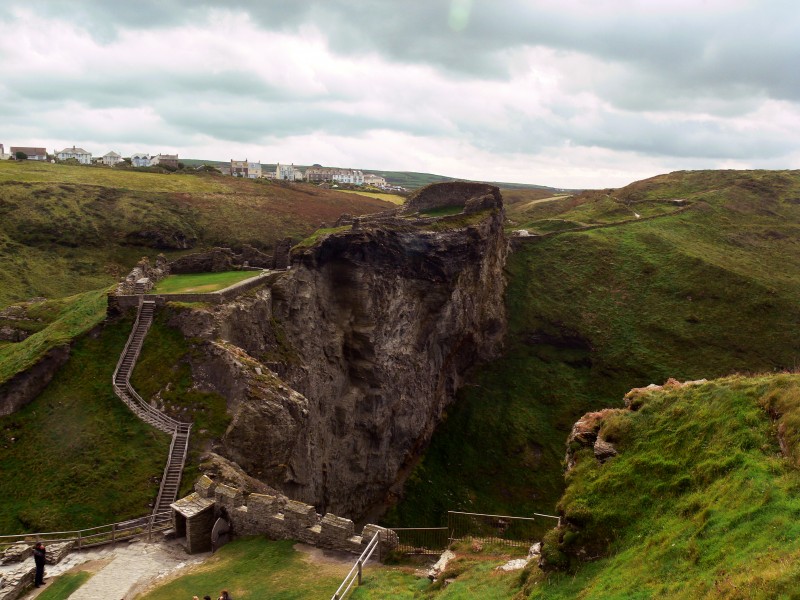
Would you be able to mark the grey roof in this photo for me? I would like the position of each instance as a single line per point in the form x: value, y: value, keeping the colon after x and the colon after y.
x: 112, y: 154
x: 192, y: 504
x: 73, y: 150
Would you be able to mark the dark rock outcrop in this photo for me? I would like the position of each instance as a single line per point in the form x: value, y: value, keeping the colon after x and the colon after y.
x: 338, y: 374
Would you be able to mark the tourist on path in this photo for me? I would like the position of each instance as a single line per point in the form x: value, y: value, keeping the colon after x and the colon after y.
x: 38, y: 557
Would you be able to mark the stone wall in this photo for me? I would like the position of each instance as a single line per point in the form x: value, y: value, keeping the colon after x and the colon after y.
x: 144, y: 270
x: 279, y: 517
x: 119, y: 303
x: 217, y: 260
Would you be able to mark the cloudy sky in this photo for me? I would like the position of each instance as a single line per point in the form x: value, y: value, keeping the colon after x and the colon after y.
x: 568, y: 93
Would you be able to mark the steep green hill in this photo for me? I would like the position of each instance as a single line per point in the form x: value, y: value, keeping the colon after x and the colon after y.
x: 68, y: 229
x: 700, y: 502
x: 702, y: 291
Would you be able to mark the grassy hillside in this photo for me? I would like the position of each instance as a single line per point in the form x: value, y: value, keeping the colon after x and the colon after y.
x: 76, y: 456
x: 699, y: 503
x: 700, y: 293
x: 67, y: 229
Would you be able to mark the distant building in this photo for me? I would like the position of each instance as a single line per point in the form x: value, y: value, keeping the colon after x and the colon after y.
x: 376, y: 180
x: 140, y: 159
x: 320, y: 174
x: 246, y: 169
x: 287, y: 172
x: 79, y: 154
x: 3, y: 155
x: 31, y: 153
x: 164, y: 160
x: 111, y: 159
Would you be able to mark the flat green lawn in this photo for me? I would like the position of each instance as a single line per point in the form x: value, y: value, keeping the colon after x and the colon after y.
x: 64, y: 586
x: 201, y: 283
x: 393, y: 198
x: 262, y: 569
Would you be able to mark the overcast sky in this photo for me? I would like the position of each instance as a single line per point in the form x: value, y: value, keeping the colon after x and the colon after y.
x: 568, y: 93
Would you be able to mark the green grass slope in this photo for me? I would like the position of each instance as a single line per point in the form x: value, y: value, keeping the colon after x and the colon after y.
x: 699, y: 503
x: 67, y: 229
x: 702, y: 293
x: 76, y: 456
x: 53, y: 322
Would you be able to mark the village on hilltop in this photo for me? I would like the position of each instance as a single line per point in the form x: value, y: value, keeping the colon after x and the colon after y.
x: 237, y: 168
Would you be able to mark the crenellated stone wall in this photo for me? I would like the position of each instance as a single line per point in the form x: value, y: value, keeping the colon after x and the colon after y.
x: 279, y: 517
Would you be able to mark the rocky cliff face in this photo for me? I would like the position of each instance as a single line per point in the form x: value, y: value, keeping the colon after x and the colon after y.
x: 338, y: 374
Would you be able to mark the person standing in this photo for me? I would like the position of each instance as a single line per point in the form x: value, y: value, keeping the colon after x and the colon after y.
x: 39, y: 558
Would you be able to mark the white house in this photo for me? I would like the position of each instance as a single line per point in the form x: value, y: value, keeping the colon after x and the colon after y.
x: 351, y: 176
x: 140, y: 159
x: 111, y: 158
x: 245, y: 168
x: 79, y: 154
x: 376, y: 180
x: 3, y: 155
x: 285, y: 172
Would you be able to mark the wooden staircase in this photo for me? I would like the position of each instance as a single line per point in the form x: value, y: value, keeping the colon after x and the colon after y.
x: 171, y: 479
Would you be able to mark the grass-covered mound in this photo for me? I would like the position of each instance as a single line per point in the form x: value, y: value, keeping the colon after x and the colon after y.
x: 67, y: 229
x: 699, y: 503
x: 76, y: 456
x: 200, y: 283
x: 52, y: 323
x: 702, y: 293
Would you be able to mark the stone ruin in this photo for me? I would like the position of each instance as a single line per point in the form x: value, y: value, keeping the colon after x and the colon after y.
x: 145, y: 274
x: 277, y: 517
x: 225, y: 259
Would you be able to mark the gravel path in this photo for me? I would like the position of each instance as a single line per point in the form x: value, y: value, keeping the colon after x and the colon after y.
x: 121, y: 572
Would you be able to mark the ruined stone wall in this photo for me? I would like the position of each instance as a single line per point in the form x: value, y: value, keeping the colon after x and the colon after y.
x: 279, y: 517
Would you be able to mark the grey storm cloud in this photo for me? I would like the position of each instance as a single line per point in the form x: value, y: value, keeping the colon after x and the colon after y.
x: 747, y: 50
x: 637, y: 78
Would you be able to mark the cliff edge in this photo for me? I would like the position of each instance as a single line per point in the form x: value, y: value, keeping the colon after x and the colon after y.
x: 337, y: 374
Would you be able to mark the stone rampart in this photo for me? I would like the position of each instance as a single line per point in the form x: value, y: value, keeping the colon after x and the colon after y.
x: 122, y: 302
x: 279, y: 517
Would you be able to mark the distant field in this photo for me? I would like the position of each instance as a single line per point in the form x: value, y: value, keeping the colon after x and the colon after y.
x: 195, y: 283
x: 393, y: 198
x: 68, y: 229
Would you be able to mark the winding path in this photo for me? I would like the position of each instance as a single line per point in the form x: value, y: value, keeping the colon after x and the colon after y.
x: 171, y: 480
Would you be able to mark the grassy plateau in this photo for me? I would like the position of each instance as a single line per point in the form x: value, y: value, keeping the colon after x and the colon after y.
x: 197, y: 283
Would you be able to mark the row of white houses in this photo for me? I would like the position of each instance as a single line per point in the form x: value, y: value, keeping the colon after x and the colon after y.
x: 140, y: 159
x: 238, y: 168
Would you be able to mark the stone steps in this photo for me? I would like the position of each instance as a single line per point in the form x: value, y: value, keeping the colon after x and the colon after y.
x: 173, y: 470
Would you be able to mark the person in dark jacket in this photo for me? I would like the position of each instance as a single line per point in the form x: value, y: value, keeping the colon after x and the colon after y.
x: 38, y: 558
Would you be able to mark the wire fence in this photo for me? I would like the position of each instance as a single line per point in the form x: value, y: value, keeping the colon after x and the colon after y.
x: 422, y: 540
x: 501, y: 529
